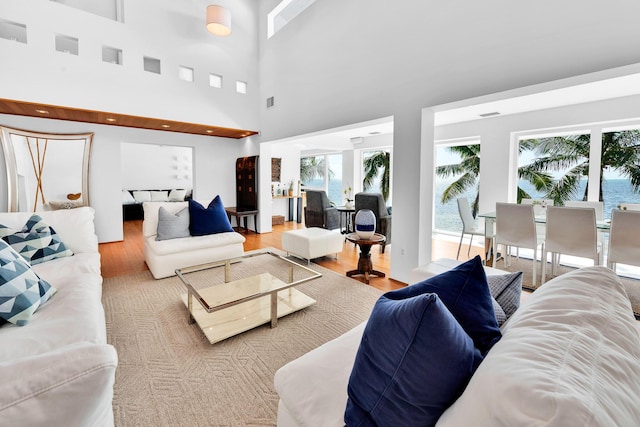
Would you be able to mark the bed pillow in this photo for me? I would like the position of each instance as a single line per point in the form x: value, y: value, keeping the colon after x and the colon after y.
x: 22, y: 292
x: 465, y: 292
x: 127, y: 198
x: 141, y: 196
x: 159, y: 196
x: 413, y: 362
x: 172, y: 226
x: 38, y: 242
x: 210, y: 220
x: 507, y: 290
x: 177, y: 195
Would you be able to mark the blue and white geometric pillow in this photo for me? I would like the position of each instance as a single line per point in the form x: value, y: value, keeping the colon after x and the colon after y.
x: 37, y: 242
x: 22, y: 292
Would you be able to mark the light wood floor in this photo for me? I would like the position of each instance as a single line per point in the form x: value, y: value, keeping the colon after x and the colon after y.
x: 126, y: 257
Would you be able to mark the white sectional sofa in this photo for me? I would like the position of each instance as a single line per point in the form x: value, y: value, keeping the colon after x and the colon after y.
x: 58, y: 370
x: 163, y: 257
x: 568, y: 356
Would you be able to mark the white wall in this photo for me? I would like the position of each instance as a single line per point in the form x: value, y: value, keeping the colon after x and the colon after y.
x: 156, y: 167
x: 173, y: 32
x: 213, y: 170
x: 346, y: 62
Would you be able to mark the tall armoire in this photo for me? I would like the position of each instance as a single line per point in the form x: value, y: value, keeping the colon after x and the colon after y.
x: 247, y: 183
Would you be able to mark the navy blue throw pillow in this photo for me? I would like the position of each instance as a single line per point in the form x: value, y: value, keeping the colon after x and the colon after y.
x: 210, y: 220
x: 413, y: 362
x: 465, y: 292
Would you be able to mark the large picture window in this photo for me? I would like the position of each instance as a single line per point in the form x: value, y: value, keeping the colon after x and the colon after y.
x: 323, y: 173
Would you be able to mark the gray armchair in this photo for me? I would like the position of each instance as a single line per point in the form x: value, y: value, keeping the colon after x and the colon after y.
x: 375, y: 202
x: 319, y: 212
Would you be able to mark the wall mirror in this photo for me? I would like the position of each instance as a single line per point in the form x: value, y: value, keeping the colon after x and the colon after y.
x: 46, y: 171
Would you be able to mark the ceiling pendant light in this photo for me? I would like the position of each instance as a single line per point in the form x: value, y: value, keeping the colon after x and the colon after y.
x: 218, y: 20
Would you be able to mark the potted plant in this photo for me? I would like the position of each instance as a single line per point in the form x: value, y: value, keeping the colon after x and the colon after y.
x: 348, y: 197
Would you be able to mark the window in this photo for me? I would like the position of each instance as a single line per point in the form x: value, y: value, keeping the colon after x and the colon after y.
x: 110, y: 9
x: 111, y: 55
x: 13, y: 31
x: 151, y: 65
x: 185, y: 73
x: 457, y: 175
x: 376, y: 172
x: 215, y: 81
x: 284, y: 13
x: 241, y: 87
x: 66, y: 44
x: 323, y: 173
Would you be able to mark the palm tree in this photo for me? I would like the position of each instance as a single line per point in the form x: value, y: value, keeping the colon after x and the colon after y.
x: 311, y: 168
x: 378, y: 164
x: 468, y: 173
x: 620, y: 152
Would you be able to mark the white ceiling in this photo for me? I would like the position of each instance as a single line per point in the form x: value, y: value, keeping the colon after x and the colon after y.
x: 588, y: 88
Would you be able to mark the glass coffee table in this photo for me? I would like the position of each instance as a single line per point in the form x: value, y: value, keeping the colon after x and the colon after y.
x: 229, y: 297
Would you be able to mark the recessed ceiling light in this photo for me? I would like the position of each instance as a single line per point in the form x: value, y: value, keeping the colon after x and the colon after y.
x: 42, y: 111
x: 111, y: 119
x: 166, y: 126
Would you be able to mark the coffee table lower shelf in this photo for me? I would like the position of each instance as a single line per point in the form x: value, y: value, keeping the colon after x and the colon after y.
x: 234, y: 320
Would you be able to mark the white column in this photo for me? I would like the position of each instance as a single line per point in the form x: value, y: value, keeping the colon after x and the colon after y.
x: 595, y: 158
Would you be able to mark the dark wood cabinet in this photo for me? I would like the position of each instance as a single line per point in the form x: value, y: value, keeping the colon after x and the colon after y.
x: 247, y: 183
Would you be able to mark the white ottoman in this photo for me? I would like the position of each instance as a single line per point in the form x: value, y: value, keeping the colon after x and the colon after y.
x: 314, y: 242
x: 440, y: 266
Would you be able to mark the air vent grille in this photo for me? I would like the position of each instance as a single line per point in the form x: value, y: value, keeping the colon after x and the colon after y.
x: 493, y: 113
x: 270, y: 102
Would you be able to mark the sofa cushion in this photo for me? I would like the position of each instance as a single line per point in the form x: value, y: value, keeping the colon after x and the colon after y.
x: 501, y: 317
x: 37, y: 241
x: 193, y: 243
x: 127, y: 198
x: 159, y: 196
x: 506, y: 289
x: 177, y: 195
x: 172, y: 226
x: 465, y: 292
x: 414, y: 360
x: 22, y: 292
x: 210, y: 220
x: 142, y: 196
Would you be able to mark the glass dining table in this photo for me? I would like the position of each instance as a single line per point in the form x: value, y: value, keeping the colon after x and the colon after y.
x: 489, y: 230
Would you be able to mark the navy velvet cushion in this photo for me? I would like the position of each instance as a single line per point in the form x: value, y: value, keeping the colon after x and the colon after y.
x: 413, y: 362
x: 210, y: 220
x: 465, y: 292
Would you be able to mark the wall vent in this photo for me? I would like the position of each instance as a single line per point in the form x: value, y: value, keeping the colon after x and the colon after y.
x: 270, y: 102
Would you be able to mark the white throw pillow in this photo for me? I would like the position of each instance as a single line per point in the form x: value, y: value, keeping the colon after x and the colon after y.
x: 142, y: 196
x: 127, y: 198
x: 177, y: 195
x: 159, y: 196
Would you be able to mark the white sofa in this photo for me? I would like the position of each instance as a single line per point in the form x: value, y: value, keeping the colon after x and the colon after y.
x: 58, y: 370
x: 569, y: 356
x: 163, y: 257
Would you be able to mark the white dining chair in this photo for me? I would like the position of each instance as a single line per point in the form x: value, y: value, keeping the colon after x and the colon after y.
x: 624, y: 240
x: 516, y: 227
x: 469, y: 225
x: 598, y: 206
x: 630, y: 206
x: 570, y: 231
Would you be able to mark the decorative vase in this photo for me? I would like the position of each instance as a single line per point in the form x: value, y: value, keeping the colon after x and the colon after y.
x: 349, y: 204
x: 365, y: 223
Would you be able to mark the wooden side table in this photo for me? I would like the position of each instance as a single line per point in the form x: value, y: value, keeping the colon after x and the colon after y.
x: 365, y: 267
x: 240, y: 213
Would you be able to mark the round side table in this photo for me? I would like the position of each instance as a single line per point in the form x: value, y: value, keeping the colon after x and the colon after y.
x: 365, y: 267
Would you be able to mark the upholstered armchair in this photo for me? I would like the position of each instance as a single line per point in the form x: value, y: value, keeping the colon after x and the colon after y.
x: 375, y: 202
x: 319, y: 212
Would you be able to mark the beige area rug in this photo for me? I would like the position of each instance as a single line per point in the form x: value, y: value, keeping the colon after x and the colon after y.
x: 168, y: 373
x: 632, y: 286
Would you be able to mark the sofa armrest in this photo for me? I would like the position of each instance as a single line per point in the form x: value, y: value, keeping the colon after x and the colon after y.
x: 332, y: 218
x: 71, y: 386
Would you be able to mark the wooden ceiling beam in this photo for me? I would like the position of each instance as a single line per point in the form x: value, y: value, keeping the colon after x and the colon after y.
x: 22, y: 108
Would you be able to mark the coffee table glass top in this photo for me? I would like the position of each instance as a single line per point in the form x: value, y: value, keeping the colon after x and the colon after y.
x: 229, y: 297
